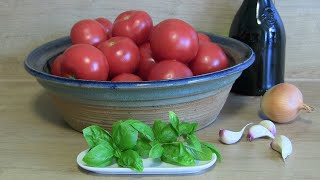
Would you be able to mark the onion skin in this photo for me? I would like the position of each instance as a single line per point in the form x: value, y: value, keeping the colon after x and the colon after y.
x: 283, y: 103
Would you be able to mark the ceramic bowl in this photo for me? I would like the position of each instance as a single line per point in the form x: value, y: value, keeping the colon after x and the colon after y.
x: 83, y: 102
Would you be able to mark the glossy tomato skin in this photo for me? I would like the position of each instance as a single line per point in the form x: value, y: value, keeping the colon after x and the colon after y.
x: 107, y: 25
x: 210, y: 58
x: 169, y: 69
x: 56, y: 65
x: 146, y: 61
x: 126, y: 77
x: 122, y: 55
x: 87, y: 31
x: 174, y: 39
x: 203, y: 38
x: 84, y: 61
x: 135, y: 25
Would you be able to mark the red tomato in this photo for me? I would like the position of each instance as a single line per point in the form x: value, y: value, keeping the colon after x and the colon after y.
x: 122, y: 55
x: 107, y: 25
x: 136, y: 25
x: 126, y: 77
x: 84, y: 61
x: 210, y: 58
x: 174, y: 39
x: 169, y: 69
x: 203, y: 38
x: 146, y: 61
x: 87, y: 31
x: 56, y: 65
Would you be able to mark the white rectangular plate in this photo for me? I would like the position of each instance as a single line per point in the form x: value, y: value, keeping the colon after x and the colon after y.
x: 151, y: 166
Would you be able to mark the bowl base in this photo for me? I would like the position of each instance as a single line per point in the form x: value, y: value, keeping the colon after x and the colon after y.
x: 203, y: 111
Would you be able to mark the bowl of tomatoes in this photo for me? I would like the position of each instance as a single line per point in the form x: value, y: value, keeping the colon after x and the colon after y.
x: 131, y: 69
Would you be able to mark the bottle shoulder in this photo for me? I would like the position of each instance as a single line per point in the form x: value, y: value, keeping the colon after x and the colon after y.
x: 257, y: 17
x: 266, y: 22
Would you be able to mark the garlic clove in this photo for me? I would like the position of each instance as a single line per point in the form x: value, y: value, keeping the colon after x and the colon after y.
x: 258, y: 131
x: 231, y: 137
x: 283, y: 145
x: 269, y: 125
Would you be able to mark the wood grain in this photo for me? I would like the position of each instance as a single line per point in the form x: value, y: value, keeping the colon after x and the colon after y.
x: 36, y: 143
x: 28, y: 24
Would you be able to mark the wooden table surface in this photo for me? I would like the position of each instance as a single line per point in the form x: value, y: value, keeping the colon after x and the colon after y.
x: 36, y: 143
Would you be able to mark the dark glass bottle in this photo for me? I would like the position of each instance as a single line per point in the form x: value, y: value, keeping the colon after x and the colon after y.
x: 258, y: 24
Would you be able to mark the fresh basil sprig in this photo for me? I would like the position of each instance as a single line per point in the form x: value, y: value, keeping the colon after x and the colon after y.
x: 131, y: 159
x: 100, y: 155
x: 143, y: 148
x: 163, y: 132
x: 156, y: 151
x: 96, y: 135
x: 176, y: 153
x: 174, y: 142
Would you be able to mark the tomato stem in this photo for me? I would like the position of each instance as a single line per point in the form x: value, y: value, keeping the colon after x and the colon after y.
x: 72, y: 76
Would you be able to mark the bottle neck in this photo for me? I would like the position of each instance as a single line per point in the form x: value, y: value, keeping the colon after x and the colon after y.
x: 253, y: 4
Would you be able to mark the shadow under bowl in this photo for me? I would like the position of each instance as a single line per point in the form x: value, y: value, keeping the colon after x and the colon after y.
x: 85, y: 102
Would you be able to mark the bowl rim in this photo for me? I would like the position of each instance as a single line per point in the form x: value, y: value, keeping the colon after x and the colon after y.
x: 141, y: 84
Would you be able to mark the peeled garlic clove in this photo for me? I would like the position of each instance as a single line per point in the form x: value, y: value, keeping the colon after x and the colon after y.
x: 283, y: 145
x: 269, y: 125
x: 258, y: 131
x: 231, y: 137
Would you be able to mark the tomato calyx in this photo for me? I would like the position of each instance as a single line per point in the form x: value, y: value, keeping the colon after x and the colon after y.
x: 112, y: 43
x: 127, y: 17
x: 72, y: 76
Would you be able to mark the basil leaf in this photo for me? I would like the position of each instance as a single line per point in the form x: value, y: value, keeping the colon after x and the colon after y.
x: 204, y: 154
x: 141, y: 127
x: 164, y: 133
x: 99, y: 156
x: 95, y: 135
x: 143, y: 148
x: 157, y: 127
x: 186, y: 128
x: 176, y: 153
x: 213, y: 148
x: 174, y: 120
x: 192, y: 140
x: 168, y: 134
x: 131, y: 159
x: 115, y: 127
x: 156, y: 151
x: 117, y: 152
x: 124, y: 135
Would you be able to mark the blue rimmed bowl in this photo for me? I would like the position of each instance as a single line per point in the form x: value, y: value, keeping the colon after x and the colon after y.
x: 83, y: 103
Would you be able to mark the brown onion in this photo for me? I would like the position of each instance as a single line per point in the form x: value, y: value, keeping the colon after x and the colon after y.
x: 283, y: 102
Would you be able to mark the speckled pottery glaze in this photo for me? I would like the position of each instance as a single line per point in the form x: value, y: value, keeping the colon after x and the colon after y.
x: 83, y: 103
